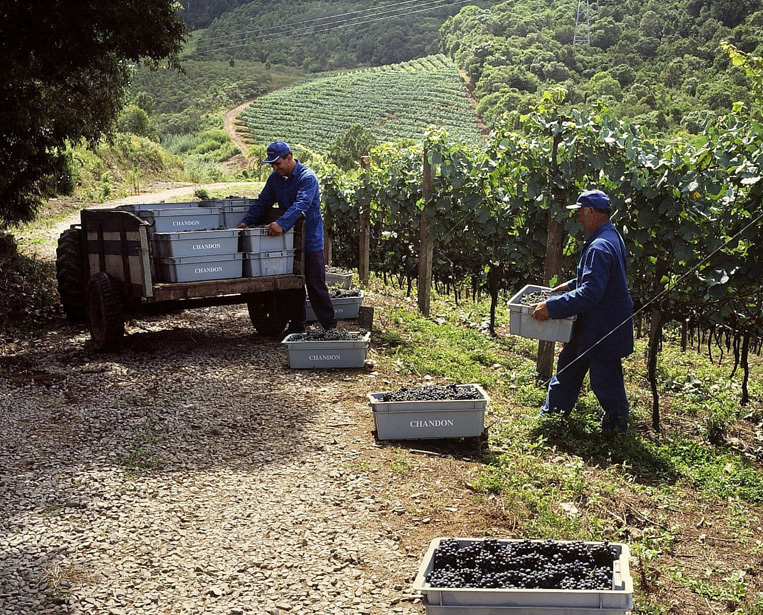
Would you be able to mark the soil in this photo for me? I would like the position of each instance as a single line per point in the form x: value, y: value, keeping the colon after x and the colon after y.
x: 230, y: 127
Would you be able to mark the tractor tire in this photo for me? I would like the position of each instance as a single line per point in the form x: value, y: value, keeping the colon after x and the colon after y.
x: 105, y: 312
x: 71, y: 286
x: 267, y: 320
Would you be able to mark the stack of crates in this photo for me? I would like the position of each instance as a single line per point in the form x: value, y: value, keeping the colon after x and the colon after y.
x: 266, y: 255
x: 190, y: 242
x: 199, y: 241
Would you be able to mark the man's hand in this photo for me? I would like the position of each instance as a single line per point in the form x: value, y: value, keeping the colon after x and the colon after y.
x: 541, y: 312
x: 274, y: 229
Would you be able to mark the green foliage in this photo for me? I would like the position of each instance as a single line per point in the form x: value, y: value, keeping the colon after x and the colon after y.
x: 665, y: 58
x: 348, y: 148
x: 682, y: 207
x: 47, y: 102
x: 315, y: 112
x: 135, y: 120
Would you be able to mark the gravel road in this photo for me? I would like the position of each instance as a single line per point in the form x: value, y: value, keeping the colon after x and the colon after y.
x: 194, y: 472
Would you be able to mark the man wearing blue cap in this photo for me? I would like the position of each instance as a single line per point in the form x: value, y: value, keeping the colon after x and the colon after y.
x: 603, y: 331
x: 295, y: 188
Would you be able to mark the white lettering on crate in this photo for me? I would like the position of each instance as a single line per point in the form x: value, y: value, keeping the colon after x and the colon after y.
x: 324, y: 357
x: 208, y: 270
x: 206, y: 246
x: 186, y: 222
x: 435, y: 423
x: 338, y: 310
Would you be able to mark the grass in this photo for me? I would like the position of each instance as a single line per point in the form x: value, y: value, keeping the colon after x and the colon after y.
x: 691, y: 493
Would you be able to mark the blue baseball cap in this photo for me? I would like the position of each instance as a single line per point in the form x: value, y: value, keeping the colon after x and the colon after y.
x: 275, y: 151
x: 592, y: 198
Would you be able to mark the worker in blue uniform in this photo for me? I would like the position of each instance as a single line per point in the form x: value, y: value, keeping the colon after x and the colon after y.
x: 602, y: 334
x: 295, y: 188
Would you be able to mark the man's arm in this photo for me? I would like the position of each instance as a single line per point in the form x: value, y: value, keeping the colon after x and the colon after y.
x: 307, y: 192
x: 593, y: 282
x: 264, y: 200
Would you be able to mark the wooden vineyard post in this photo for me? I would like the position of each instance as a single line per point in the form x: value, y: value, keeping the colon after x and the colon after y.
x: 364, y: 234
x: 655, y: 335
x: 552, y: 268
x: 327, y: 246
x: 426, y: 246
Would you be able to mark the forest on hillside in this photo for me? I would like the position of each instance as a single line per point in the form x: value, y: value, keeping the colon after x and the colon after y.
x: 659, y: 64
x: 318, y: 35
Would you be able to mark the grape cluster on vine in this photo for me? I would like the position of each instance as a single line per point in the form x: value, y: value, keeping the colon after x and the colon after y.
x: 525, y: 564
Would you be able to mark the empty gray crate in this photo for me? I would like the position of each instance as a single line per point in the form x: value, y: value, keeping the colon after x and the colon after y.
x: 256, y: 239
x: 326, y: 354
x: 344, y: 307
x: 522, y: 323
x: 483, y: 601
x: 268, y: 263
x: 416, y: 420
x: 199, y: 268
x: 232, y: 215
x: 195, y: 243
x: 344, y: 280
x: 172, y: 220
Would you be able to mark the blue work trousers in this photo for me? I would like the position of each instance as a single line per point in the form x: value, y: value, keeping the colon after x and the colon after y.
x: 606, y: 383
x: 315, y: 280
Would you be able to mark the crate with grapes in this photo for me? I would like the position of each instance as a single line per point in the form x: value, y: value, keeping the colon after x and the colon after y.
x: 471, y: 576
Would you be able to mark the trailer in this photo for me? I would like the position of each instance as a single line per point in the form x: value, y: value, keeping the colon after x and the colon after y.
x: 108, y: 272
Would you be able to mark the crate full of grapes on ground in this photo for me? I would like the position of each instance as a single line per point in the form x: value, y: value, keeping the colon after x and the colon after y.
x: 336, y: 276
x: 413, y: 413
x: 346, y: 304
x: 472, y: 576
x: 522, y: 323
x: 327, y: 349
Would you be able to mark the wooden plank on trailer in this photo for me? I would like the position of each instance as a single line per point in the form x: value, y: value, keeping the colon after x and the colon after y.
x: 235, y: 286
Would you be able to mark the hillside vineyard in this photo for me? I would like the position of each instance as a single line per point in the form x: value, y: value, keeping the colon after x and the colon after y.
x: 397, y: 101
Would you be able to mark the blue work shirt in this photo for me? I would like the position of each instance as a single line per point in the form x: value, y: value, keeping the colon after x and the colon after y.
x: 297, y: 194
x: 599, y: 297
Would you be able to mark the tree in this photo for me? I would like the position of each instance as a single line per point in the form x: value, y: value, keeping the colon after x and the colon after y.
x: 135, y: 120
x: 349, y: 147
x: 65, y: 69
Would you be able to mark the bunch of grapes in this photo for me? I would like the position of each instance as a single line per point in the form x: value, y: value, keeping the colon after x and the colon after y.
x: 433, y: 393
x: 524, y: 564
x: 332, y: 335
x: 340, y: 293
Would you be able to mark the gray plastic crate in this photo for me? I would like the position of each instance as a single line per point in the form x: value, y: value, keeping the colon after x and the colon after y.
x: 199, y: 268
x: 418, y: 420
x: 256, y: 239
x: 173, y: 220
x: 268, y: 263
x: 343, y: 280
x: 326, y: 354
x: 482, y: 601
x: 232, y: 215
x: 435, y: 609
x: 522, y: 323
x: 344, y: 307
x: 195, y: 243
